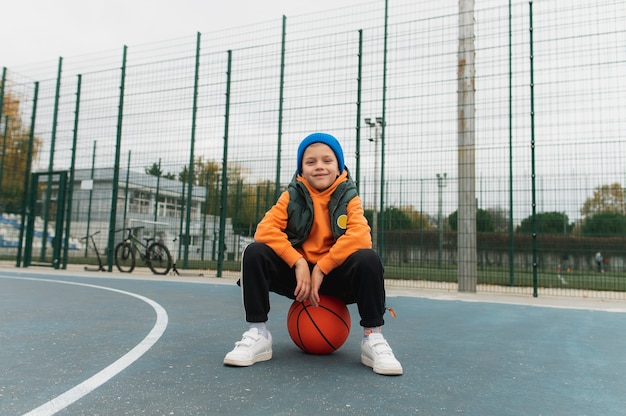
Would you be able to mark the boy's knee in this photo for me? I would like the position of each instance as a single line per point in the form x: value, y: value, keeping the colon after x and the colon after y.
x: 253, y: 250
x: 368, y: 258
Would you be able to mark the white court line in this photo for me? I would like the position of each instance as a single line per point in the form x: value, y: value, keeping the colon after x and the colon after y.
x: 76, y: 393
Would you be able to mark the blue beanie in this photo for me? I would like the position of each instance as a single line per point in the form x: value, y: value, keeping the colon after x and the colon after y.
x: 328, y: 140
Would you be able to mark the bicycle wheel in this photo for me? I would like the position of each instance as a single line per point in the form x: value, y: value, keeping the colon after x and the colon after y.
x: 124, y: 257
x: 159, y: 259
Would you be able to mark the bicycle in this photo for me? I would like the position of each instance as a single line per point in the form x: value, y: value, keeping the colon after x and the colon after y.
x: 95, y: 248
x: 156, y: 255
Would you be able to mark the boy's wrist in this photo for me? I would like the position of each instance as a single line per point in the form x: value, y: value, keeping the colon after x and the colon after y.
x: 301, y: 261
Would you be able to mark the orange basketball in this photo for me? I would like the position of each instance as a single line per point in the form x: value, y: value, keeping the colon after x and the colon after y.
x: 320, y: 330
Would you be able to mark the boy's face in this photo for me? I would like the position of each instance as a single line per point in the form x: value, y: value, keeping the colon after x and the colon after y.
x: 319, y: 166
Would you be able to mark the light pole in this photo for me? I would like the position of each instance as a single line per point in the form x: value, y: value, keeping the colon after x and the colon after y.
x: 440, y: 184
x: 375, y: 126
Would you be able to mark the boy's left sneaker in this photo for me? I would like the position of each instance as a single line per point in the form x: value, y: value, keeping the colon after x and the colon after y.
x: 377, y: 354
x: 252, y: 348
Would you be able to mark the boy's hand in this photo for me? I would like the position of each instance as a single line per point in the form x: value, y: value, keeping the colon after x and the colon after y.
x: 316, y: 281
x: 303, y: 280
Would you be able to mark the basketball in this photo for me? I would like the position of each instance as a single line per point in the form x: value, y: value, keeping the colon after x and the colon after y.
x: 320, y: 330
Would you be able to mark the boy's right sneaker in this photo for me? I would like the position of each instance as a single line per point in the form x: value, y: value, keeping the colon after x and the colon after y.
x: 377, y: 354
x: 252, y: 348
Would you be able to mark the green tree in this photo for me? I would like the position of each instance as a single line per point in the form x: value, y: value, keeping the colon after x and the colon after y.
x: 206, y: 171
x: 155, y: 170
x: 604, y: 224
x: 395, y: 219
x: 484, y: 222
x: 249, y: 203
x: 418, y: 220
x: 547, y: 223
x: 242, y: 201
x: 605, y: 198
x: 500, y: 218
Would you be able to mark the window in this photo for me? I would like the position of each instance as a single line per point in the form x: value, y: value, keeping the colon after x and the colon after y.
x: 168, y: 207
x: 140, y: 202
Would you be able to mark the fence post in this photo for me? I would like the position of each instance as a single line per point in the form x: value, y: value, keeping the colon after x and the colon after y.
x: 280, y: 109
x: 220, y: 251
x: 380, y: 245
x: 53, y: 137
x: 6, y: 121
x: 357, y: 176
x: 116, y: 166
x: 70, y: 190
x: 466, y: 245
x: 532, y: 151
x: 191, y: 156
x: 27, y: 171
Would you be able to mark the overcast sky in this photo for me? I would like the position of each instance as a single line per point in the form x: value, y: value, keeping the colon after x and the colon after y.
x: 34, y: 31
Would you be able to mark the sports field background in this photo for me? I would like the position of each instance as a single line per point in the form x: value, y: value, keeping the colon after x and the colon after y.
x: 196, y: 136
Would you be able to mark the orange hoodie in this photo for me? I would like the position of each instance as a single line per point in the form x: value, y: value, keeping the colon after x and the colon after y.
x: 320, y: 246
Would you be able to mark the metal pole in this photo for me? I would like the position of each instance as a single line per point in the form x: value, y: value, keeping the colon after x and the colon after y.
x: 421, y: 219
x: 215, y: 211
x: 532, y: 150
x: 357, y: 172
x: 375, y: 214
x: 116, y: 166
x: 511, y: 237
x: 93, y: 163
x: 27, y: 173
x: 383, y: 124
x: 4, y: 148
x: 126, y: 189
x: 70, y: 190
x: 220, y: 256
x: 156, y: 195
x: 2, y: 89
x: 181, y: 236
x: 53, y: 136
x: 440, y: 185
x: 373, y: 127
x: 6, y: 121
x: 191, y: 156
x: 280, y: 108
x: 466, y: 218
x: 204, y: 213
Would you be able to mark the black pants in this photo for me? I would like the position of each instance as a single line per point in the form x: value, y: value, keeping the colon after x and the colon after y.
x: 358, y: 280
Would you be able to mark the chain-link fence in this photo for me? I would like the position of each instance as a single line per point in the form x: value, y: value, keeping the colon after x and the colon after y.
x: 486, y: 140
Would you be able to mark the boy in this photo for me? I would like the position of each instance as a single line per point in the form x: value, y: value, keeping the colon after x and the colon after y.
x: 315, y: 240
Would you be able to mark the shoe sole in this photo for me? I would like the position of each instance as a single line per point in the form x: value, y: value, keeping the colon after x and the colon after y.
x: 383, y: 371
x: 265, y: 356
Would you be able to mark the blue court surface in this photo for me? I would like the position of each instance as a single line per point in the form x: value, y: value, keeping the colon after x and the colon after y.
x: 81, y: 343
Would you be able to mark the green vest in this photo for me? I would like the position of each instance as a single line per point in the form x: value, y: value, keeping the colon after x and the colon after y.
x: 300, y: 210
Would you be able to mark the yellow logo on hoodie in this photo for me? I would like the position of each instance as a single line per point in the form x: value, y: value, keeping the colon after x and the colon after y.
x: 342, y: 221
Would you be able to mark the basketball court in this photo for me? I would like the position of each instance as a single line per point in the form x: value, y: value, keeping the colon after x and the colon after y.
x: 93, y: 343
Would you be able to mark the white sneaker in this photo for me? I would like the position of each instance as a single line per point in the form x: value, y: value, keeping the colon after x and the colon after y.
x: 377, y: 354
x: 252, y: 348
